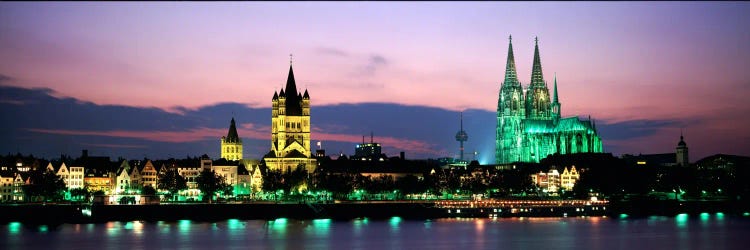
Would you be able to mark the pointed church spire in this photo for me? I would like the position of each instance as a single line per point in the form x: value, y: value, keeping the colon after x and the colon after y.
x: 536, y: 70
x: 232, y: 134
x: 291, y: 85
x: 510, y: 66
x: 556, y: 113
x: 293, y: 99
x: 554, y: 97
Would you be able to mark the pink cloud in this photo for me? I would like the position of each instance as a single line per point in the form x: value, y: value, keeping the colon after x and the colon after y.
x: 247, y: 130
x: 192, y: 135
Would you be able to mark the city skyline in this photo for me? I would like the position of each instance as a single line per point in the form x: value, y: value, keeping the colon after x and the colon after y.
x: 187, y: 69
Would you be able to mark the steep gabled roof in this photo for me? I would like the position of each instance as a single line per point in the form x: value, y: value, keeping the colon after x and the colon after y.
x: 293, y: 99
x: 232, y: 135
x: 295, y: 154
x: 124, y: 166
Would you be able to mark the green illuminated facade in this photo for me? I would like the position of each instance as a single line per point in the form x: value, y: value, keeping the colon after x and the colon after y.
x: 529, y: 126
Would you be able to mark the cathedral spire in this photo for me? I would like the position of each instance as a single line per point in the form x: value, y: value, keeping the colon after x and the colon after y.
x: 555, y: 103
x: 510, y: 66
x: 554, y: 97
x: 536, y: 74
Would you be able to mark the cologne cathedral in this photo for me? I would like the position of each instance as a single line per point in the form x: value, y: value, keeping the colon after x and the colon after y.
x: 529, y: 126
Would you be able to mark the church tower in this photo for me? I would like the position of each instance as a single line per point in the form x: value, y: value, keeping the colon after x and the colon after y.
x: 231, y: 145
x: 538, y: 105
x: 510, y: 113
x: 290, y: 129
x: 555, y: 104
x: 682, y: 153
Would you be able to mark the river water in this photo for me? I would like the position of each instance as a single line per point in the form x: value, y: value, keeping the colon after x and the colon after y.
x: 704, y: 231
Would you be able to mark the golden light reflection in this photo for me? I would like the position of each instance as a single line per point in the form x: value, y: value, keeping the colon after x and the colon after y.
x: 595, y: 220
x: 113, y: 228
x: 137, y: 228
x: 479, y: 225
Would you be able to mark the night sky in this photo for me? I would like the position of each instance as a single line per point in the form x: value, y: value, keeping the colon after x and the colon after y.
x: 162, y: 80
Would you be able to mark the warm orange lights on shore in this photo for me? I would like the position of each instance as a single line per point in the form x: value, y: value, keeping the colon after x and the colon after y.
x: 514, y: 203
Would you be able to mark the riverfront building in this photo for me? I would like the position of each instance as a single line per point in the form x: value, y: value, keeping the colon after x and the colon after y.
x: 290, y: 129
x: 552, y: 180
x: 529, y: 124
x: 72, y: 176
x: 368, y: 151
x: 679, y: 158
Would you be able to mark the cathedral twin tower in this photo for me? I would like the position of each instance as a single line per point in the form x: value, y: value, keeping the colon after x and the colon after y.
x: 529, y: 126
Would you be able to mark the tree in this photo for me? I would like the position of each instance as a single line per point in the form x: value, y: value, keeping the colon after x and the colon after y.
x: 294, y: 180
x: 382, y: 184
x: 79, y: 193
x: 410, y: 184
x: 338, y: 184
x: 148, y: 190
x: 45, y: 184
x: 209, y: 183
x: 272, y: 180
x: 173, y: 182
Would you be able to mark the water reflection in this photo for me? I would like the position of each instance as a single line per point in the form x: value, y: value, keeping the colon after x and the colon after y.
x: 112, y: 229
x: 278, y: 226
x: 394, y: 221
x: 704, y: 217
x: 321, y: 227
x: 479, y: 225
x: 681, y: 220
x: 14, y: 228
x: 358, y: 224
x: 712, y: 230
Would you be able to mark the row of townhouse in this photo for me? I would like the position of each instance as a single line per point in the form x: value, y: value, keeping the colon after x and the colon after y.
x: 552, y: 180
x: 10, y: 186
x: 127, y: 177
x: 245, y: 177
x: 130, y: 179
x: 73, y: 176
